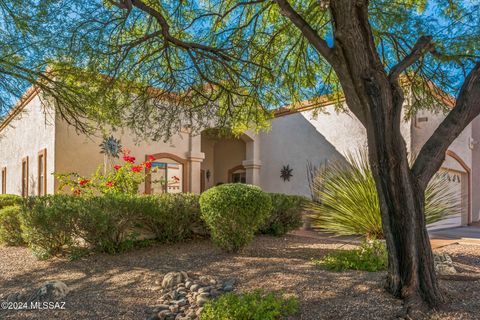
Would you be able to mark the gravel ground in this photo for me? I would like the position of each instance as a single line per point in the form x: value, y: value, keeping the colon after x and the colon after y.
x: 123, y: 286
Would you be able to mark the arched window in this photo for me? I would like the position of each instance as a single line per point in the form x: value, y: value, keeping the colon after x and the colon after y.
x: 167, y: 175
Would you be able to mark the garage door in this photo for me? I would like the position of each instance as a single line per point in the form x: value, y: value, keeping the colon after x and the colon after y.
x: 458, y: 183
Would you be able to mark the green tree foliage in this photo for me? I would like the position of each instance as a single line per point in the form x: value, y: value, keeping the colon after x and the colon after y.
x: 224, y: 63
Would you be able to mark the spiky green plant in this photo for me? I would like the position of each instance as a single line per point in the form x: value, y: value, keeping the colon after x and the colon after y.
x: 348, y: 201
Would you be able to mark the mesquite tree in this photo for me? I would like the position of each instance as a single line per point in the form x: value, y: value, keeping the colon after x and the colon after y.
x: 226, y: 63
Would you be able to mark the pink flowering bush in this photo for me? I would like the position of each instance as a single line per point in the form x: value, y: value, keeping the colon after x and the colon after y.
x: 122, y: 179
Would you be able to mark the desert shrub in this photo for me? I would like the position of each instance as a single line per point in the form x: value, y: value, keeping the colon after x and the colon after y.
x: 10, y: 231
x: 48, y: 224
x: 171, y: 216
x: 118, y: 179
x: 233, y: 213
x: 348, y: 200
x: 7, y: 200
x: 255, y: 305
x: 107, y: 222
x: 371, y: 256
x: 286, y: 215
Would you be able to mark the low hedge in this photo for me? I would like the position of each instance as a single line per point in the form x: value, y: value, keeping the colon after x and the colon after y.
x: 286, y: 215
x: 61, y: 224
x: 172, y: 216
x: 48, y: 224
x: 10, y: 231
x: 233, y: 213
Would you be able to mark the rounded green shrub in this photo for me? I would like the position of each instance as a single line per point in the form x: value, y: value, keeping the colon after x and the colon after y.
x: 286, y: 215
x: 10, y: 231
x: 233, y: 213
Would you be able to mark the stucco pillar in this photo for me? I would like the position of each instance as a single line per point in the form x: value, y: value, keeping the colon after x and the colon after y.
x: 252, y: 162
x: 252, y: 171
x: 195, y: 158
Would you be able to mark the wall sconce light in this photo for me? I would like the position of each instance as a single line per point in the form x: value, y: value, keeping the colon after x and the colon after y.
x: 472, y: 143
x: 207, y: 175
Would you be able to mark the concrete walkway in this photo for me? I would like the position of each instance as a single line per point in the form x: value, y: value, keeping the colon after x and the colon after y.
x: 463, y: 235
x: 438, y: 238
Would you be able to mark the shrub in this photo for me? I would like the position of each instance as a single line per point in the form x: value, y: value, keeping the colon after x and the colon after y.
x: 348, y: 200
x: 249, y: 306
x: 7, y: 200
x: 171, y: 216
x: 233, y: 213
x: 48, y: 224
x: 10, y: 231
x: 119, y: 179
x: 286, y: 214
x: 107, y: 222
x: 371, y: 256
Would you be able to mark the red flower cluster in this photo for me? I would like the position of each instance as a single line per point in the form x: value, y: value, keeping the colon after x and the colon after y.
x: 151, y: 158
x: 109, y: 184
x: 147, y: 164
x: 127, y: 157
x: 84, y: 182
x: 137, y: 168
x: 117, y: 167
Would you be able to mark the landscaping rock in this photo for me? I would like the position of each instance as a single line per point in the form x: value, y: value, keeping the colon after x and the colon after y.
x: 443, y: 264
x: 172, y: 279
x: 183, y: 295
x: 51, y: 291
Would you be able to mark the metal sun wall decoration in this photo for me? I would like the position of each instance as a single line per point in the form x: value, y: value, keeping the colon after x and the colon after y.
x: 111, y: 147
x: 286, y: 173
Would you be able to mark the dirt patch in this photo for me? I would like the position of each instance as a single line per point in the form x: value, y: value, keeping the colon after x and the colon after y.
x: 124, y: 286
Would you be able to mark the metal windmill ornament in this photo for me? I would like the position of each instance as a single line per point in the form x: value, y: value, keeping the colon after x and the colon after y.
x: 286, y: 173
x: 111, y: 147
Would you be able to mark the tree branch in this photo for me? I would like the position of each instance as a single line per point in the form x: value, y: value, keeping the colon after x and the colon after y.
x: 423, y: 45
x: 467, y: 107
x: 165, y: 27
x: 308, y: 32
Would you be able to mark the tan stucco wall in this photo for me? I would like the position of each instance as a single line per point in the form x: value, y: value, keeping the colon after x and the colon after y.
x: 228, y: 153
x: 421, y: 131
x: 79, y: 153
x: 28, y: 133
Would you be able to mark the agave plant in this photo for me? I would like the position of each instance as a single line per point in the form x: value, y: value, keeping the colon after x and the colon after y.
x: 348, y: 200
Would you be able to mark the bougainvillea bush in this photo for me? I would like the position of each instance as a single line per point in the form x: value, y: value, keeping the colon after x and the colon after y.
x: 121, y: 179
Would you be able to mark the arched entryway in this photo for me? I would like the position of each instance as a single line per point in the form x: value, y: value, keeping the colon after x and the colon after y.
x: 228, y: 159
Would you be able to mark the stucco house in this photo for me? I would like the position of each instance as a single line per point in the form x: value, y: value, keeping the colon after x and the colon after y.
x: 35, y: 142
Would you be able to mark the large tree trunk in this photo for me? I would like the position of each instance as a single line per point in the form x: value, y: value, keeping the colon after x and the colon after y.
x: 411, y: 270
x: 378, y: 101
